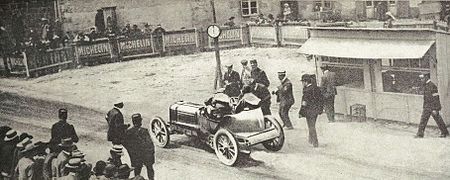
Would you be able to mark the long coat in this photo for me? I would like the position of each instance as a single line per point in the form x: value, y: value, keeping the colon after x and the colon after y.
x: 139, y: 145
x: 8, y: 157
x: 284, y: 93
x: 117, y: 128
x: 233, y: 89
x: 312, y: 101
x: 328, y: 84
x: 431, y: 99
x: 260, y: 77
x: 61, y: 130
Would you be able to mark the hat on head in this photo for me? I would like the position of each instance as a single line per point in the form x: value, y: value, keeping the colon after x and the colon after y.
x: 11, y: 135
x: 4, y: 130
x: 231, y: 18
x: 136, y: 118
x: 66, y: 142
x: 29, y: 148
x: 306, y: 77
x: 228, y: 65
x: 117, y: 149
x: 74, y: 164
x: 119, y: 102
x: 244, y: 62
x: 62, y: 112
x: 281, y: 72
x: 26, y: 141
x: 253, y: 61
x: 124, y: 169
x: 78, y: 154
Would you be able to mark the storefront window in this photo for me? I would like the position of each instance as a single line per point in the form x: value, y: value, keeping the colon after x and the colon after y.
x: 402, y: 75
x: 349, y: 72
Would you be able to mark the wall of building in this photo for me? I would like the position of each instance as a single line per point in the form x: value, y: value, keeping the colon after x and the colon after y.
x: 443, y: 68
x: 171, y: 14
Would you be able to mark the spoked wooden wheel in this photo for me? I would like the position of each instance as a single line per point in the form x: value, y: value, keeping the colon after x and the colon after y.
x: 277, y: 143
x: 226, y: 147
x: 159, y: 132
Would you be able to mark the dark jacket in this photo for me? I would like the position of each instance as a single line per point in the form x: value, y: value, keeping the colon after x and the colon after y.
x: 234, y: 87
x: 431, y: 99
x: 284, y: 93
x: 8, y: 157
x: 262, y: 92
x: 312, y: 101
x: 61, y: 130
x: 328, y: 84
x: 260, y: 77
x: 117, y: 128
x: 139, y: 144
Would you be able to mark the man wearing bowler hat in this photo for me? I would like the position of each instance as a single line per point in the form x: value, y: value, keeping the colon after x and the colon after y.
x: 140, y: 147
x: 258, y: 74
x: 61, y: 130
x: 232, y: 82
x: 116, y: 125
x: 285, y: 98
x: 311, y: 107
x: 431, y: 107
x: 328, y: 88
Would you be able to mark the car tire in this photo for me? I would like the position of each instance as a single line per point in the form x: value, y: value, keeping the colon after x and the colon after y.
x: 226, y: 147
x: 277, y: 143
x: 159, y: 132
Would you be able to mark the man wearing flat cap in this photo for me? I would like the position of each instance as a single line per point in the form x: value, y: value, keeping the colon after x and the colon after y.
x: 116, y: 125
x: 285, y: 98
x: 61, y: 130
x: 258, y: 74
x: 232, y: 82
x: 140, y: 147
x: 312, y: 106
x: 328, y: 88
x: 431, y: 107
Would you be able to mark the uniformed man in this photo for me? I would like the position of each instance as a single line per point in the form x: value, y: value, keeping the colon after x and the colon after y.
x: 140, y: 147
x: 311, y: 107
x: 61, y: 130
x: 431, y: 107
x: 285, y: 98
x: 328, y: 88
x: 246, y: 73
x: 258, y: 74
x: 232, y: 82
x: 117, y: 127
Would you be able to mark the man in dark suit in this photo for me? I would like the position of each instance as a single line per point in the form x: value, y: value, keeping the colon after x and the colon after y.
x: 263, y: 93
x: 140, y: 147
x: 285, y: 98
x: 232, y: 82
x: 328, y: 87
x: 312, y: 106
x: 258, y: 74
x: 116, y: 130
x: 61, y: 130
x: 431, y: 107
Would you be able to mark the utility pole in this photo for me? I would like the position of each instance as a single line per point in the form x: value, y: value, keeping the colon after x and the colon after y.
x: 218, y: 79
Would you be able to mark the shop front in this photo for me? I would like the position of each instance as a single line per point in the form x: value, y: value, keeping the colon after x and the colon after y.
x: 379, y: 69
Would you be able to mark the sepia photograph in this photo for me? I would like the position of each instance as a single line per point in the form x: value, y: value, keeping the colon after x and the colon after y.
x: 224, y: 89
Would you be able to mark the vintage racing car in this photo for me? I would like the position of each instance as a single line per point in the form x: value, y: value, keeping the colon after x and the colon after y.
x: 228, y: 132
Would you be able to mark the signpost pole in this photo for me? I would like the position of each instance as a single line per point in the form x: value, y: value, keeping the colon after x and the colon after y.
x: 218, y: 78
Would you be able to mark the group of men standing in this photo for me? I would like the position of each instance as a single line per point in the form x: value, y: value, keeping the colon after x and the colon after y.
x: 314, y: 100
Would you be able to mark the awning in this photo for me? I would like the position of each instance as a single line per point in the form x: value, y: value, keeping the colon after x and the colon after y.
x: 366, y: 48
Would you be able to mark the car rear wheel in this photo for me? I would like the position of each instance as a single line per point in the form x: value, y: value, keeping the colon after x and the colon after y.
x: 159, y: 132
x: 277, y: 143
x: 226, y: 147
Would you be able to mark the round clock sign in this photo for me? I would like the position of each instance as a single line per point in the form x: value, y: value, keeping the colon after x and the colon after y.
x: 214, y: 31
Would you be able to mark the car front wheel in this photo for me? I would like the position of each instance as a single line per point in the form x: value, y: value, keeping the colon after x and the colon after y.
x: 159, y: 132
x: 226, y: 147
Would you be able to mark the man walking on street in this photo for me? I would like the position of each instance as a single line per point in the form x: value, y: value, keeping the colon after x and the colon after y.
x: 116, y: 130
x: 258, y: 74
x: 431, y: 107
x: 328, y: 88
x: 311, y: 107
x: 285, y: 98
x: 140, y: 147
x: 62, y: 130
